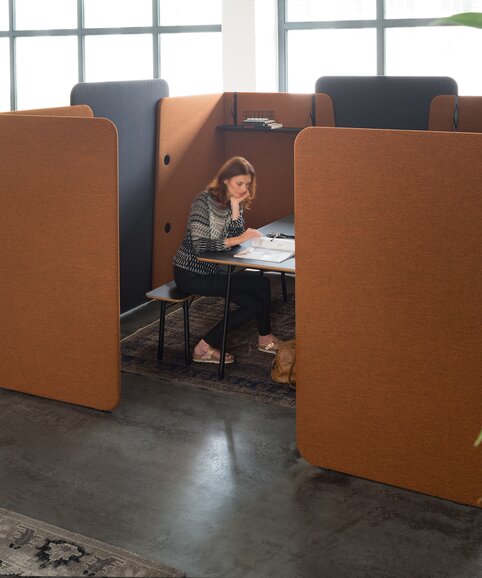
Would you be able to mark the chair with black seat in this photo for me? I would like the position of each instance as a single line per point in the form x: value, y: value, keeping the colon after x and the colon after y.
x: 169, y: 293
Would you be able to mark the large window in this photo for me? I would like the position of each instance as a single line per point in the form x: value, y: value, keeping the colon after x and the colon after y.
x: 45, y: 14
x: 315, y: 11
x: 369, y: 37
x: 117, y: 13
x: 47, y: 46
x: 4, y: 74
x: 118, y: 57
x: 331, y: 53
x: 437, y: 50
x: 4, y: 17
x: 45, y: 70
x: 190, y: 53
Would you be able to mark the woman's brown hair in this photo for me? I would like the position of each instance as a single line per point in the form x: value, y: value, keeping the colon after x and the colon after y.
x: 232, y: 168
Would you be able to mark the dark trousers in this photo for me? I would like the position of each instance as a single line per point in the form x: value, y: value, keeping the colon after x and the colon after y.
x: 249, y: 290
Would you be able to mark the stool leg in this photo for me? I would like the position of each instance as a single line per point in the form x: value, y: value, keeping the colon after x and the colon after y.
x: 283, y: 284
x: 160, y: 345
x: 187, y: 350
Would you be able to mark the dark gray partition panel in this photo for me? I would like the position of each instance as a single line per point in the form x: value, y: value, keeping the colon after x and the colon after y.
x: 132, y: 107
x: 399, y: 102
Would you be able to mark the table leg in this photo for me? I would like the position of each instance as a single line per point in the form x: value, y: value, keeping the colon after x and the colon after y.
x: 162, y: 320
x: 226, y: 318
x: 283, y: 285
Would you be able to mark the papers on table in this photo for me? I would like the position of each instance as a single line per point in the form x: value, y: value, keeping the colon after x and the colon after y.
x: 269, y: 249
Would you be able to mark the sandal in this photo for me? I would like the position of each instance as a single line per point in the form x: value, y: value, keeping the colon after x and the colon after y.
x: 212, y: 356
x: 271, y: 347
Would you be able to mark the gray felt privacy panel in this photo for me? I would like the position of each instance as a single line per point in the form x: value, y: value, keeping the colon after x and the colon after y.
x: 400, y: 102
x: 132, y: 107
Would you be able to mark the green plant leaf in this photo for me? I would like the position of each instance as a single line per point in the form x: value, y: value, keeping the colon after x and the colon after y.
x: 464, y: 19
x: 478, y: 441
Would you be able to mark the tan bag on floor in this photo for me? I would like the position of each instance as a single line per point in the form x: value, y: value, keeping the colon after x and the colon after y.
x: 283, y: 369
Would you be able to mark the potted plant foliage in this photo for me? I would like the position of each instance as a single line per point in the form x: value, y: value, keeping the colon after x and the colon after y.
x: 473, y: 19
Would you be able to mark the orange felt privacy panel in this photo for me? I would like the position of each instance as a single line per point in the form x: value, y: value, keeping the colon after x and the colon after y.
x: 271, y: 154
x: 388, y: 306
x: 77, y: 110
x: 462, y: 113
x: 192, y: 146
x: 190, y: 151
x: 442, y: 113
x: 325, y: 112
x: 59, y: 259
x: 293, y: 110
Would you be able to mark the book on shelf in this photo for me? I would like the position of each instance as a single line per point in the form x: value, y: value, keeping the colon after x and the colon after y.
x: 261, y: 122
x: 269, y: 249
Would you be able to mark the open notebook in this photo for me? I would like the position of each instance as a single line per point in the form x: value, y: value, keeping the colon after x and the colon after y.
x: 269, y: 249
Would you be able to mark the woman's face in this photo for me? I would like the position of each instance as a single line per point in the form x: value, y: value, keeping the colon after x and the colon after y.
x: 238, y: 186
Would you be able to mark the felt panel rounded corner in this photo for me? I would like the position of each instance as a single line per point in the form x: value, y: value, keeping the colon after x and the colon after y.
x: 388, y: 306
x: 59, y: 254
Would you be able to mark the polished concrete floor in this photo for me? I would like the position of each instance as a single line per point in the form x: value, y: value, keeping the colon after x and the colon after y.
x: 214, y: 486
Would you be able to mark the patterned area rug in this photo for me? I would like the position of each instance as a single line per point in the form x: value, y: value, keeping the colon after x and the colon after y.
x: 249, y: 376
x: 29, y: 547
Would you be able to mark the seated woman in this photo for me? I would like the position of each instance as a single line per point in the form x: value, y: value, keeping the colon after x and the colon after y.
x: 216, y: 224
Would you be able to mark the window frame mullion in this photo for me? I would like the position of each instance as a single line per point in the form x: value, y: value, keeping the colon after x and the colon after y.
x: 380, y: 24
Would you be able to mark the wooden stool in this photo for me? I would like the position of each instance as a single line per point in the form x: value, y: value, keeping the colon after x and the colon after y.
x: 169, y: 293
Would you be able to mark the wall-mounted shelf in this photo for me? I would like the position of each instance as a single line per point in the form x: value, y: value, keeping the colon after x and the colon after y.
x: 251, y: 129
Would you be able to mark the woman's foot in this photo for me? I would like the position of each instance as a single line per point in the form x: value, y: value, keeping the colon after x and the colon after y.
x: 268, y: 343
x: 204, y: 353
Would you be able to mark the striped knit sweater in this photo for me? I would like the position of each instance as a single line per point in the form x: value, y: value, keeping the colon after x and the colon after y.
x: 208, y: 225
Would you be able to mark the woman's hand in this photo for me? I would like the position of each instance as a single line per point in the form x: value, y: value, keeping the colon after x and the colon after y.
x: 235, y: 202
x: 248, y: 235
